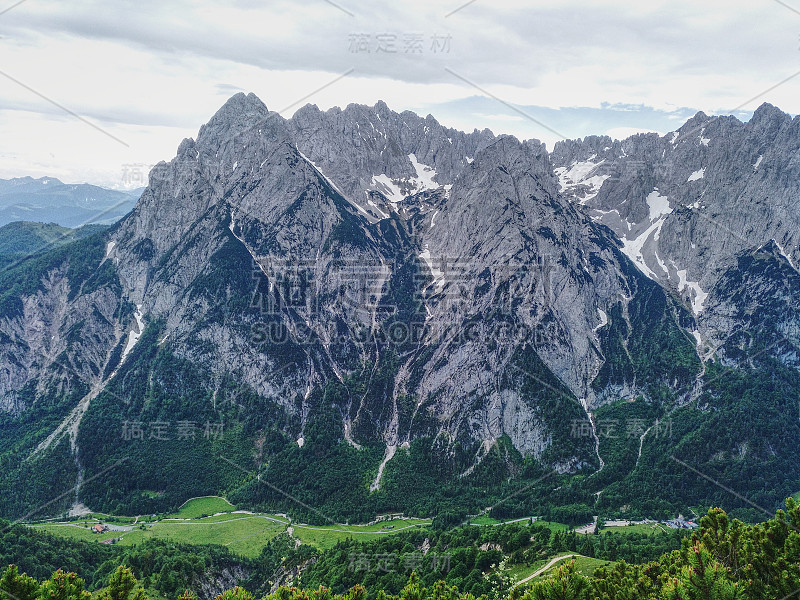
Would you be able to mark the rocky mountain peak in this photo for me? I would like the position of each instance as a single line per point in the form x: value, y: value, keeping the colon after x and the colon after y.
x: 241, y: 113
x: 526, y: 163
x: 766, y: 114
x: 381, y: 108
x: 241, y: 106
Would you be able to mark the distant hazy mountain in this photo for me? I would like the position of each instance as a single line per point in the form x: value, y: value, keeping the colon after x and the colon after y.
x: 49, y: 200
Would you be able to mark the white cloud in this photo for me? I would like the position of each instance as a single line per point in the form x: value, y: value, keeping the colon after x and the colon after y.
x: 502, y: 117
x: 151, y: 72
x: 621, y: 133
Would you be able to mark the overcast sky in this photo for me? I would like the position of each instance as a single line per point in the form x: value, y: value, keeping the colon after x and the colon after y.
x: 97, y: 91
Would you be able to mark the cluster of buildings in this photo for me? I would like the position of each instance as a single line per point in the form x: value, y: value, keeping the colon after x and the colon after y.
x: 680, y: 523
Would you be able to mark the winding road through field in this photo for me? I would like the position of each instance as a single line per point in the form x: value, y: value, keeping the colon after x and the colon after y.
x: 543, y: 569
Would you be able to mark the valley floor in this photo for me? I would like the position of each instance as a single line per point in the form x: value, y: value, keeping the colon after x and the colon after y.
x: 212, y: 520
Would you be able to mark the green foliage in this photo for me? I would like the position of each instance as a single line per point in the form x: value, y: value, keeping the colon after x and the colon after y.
x: 741, y: 433
x: 648, y: 345
x: 564, y: 584
x: 63, y: 586
x: 571, y: 514
x: 17, y: 586
x: 166, y: 567
x: 123, y: 586
x: 702, y: 579
x: 471, y: 555
x: 40, y: 554
x: 236, y: 593
x: 448, y: 520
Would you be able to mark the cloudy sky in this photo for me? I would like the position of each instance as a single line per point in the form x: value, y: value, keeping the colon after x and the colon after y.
x: 98, y: 91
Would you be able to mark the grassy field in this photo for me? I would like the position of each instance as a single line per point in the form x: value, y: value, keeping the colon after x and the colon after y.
x: 483, y: 520
x: 553, y: 526
x: 583, y: 564
x: 486, y: 520
x: 520, y: 572
x: 245, y: 536
x: 205, y: 506
x: 77, y: 531
x: 244, y: 533
x: 326, y: 536
x: 212, y: 520
x: 587, y: 566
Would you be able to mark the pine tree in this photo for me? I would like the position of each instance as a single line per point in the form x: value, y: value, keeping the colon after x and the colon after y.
x: 413, y: 590
x: 123, y: 586
x: 17, y: 586
x: 564, y: 584
x: 702, y: 579
x: 237, y: 593
x: 63, y: 586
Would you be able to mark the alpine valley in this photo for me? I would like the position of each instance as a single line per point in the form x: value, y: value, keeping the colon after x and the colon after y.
x: 356, y: 311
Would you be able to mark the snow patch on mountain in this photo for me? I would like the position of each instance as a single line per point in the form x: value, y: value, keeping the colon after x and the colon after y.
x: 438, y: 276
x: 697, y: 175
x: 384, y: 184
x: 603, y: 319
x: 581, y: 174
x: 134, y: 334
x: 786, y: 255
x: 698, y: 296
x: 382, y: 214
x: 698, y: 339
x: 425, y: 174
x: 634, y: 248
x: 658, y: 205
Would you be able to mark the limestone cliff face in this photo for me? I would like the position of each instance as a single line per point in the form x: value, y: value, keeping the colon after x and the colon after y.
x: 365, y: 149
x: 335, y: 279
x: 687, y: 205
x: 58, y: 334
x: 473, y: 286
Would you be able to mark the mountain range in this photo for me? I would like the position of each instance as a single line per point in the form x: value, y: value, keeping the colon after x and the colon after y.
x: 48, y: 200
x: 358, y: 310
